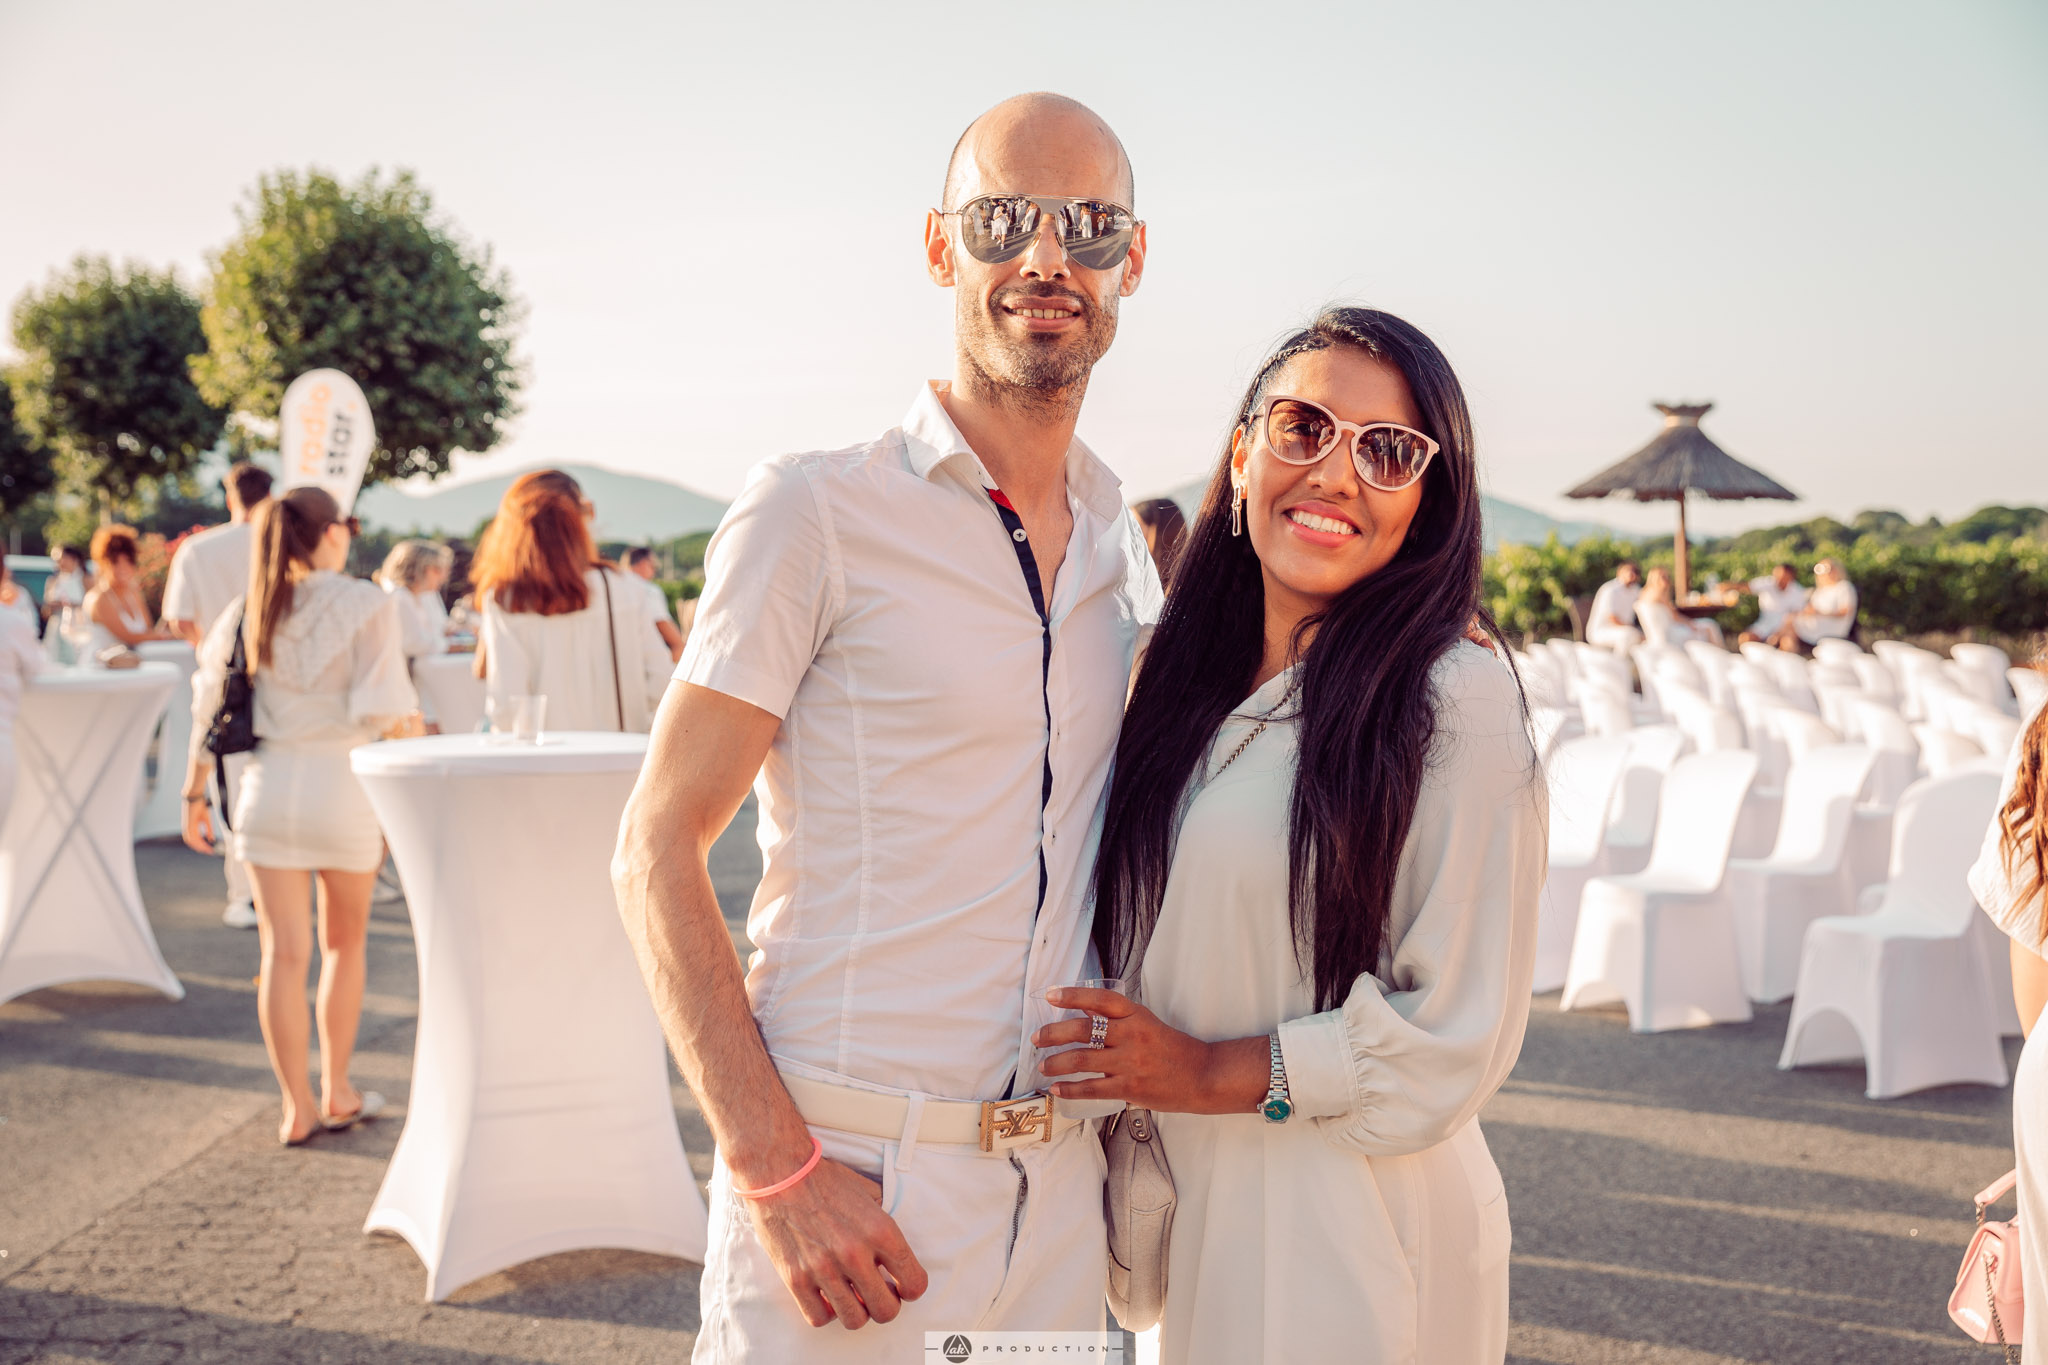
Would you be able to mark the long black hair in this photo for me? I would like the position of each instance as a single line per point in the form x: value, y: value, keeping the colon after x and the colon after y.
x: 1365, y: 713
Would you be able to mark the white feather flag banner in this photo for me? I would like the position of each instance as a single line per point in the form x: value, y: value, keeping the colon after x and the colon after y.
x: 324, y: 435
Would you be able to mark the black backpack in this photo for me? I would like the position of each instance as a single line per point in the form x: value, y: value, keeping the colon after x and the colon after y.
x: 234, y: 724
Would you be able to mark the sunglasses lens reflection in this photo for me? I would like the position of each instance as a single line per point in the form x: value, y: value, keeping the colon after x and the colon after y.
x: 1299, y: 432
x: 998, y: 227
x: 1392, y: 459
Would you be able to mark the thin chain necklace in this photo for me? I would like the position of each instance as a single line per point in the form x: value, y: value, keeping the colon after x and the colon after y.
x: 1257, y: 730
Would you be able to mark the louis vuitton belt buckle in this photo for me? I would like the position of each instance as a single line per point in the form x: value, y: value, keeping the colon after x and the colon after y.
x: 1016, y: 1123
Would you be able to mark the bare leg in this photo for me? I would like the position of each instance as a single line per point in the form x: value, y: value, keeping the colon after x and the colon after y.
x: 284, y: 930
x: 344, y: 928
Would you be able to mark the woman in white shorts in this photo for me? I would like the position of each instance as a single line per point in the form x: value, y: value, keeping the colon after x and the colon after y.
x: 324, y: 653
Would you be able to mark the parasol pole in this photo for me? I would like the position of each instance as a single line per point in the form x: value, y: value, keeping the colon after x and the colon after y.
x: 1681, y: 577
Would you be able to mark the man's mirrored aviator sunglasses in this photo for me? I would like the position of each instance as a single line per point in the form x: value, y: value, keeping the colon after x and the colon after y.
x: 998, y: 227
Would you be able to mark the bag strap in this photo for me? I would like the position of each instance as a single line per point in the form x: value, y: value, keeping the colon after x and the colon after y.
x: 612, y: 625
x: 1995, y: 1191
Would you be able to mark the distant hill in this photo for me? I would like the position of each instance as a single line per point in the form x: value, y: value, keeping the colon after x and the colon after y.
x: 630, y: 507
x: 1504, y: 522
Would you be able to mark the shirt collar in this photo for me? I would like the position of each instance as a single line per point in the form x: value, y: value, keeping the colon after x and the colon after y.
x: 931, y: 440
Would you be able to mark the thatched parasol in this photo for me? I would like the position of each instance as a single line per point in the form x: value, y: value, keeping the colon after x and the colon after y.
x: 1683, y: 459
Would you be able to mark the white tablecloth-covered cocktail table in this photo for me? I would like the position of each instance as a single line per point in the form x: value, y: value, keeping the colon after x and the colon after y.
x: 451, y: 693
x: 540, y: 1118
x: 70, y: 908
x: 163, y: 807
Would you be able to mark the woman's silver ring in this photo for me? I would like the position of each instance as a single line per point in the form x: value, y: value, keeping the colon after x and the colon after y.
x: 1098, y: 1031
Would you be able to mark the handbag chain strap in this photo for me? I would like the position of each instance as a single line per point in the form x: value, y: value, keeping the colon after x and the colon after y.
x: 2012, y: 1352
x: 1255, y: 732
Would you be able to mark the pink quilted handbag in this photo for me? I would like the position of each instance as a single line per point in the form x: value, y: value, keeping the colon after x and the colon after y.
x: 1987, y: 1302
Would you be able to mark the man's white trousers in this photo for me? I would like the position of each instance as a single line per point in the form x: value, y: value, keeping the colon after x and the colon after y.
x: 957, y: 1207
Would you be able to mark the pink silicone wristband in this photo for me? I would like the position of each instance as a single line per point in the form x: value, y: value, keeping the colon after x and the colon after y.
x: 817, y: 1151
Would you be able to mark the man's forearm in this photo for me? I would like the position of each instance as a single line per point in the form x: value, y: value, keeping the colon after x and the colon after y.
x: 693, y: 975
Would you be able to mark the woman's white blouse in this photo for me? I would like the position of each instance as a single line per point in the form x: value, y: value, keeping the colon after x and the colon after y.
x: 569, y: 658
x: 421, y: 631
x: 1990, y: 881
x: 337, y: 675
x: 1419, y: 1046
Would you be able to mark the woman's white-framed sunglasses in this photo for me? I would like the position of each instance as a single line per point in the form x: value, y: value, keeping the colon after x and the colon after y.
x: 1387, y: 455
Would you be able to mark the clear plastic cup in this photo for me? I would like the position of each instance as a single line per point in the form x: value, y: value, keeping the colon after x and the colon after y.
x: 529, y: 718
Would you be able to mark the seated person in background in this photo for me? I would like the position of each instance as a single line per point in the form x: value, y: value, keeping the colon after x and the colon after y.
x: 1662, y: 625
x: 120, y: 615
x: 413, y: 574
x: 66, y: 587
x: 1165, y: 528
x: 1829, y: 613
x: 640, y: 562
x: 1778, y: 595
x: 1611, y: 622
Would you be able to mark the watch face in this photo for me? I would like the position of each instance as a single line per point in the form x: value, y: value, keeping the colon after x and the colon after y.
x: 1276, y: 1110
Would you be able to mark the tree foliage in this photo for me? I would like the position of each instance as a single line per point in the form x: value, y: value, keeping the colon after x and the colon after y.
x: 366, y: 279
x: 25, y: 471
x: 104, y: 380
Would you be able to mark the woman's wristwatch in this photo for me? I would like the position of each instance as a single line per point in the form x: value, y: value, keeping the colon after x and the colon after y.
x: 1277, y: 1107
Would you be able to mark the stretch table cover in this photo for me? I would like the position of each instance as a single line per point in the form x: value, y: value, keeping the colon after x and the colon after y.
x: 70, y: 908
x: 163, y: 809
x: 451, y: 693
x: 540, y: 1119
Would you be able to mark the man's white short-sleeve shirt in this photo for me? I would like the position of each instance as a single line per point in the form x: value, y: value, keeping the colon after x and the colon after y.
x: 210, y: 570
x: 1774, y: 604
x: 872, y: 599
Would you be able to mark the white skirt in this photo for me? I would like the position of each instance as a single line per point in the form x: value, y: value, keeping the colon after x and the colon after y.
x: 303, y: 809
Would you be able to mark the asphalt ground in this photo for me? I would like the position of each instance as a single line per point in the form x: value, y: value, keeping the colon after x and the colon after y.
x: 1676, y: 1199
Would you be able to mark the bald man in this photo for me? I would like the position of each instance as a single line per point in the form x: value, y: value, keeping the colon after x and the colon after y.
x: 916, y: 649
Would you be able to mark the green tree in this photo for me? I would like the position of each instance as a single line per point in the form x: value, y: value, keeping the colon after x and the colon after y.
x: 105, y: 381
x: 366, y: 279
x: 25, y: 472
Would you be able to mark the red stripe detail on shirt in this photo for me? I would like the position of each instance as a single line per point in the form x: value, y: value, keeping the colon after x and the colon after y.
x: 1000, y: 498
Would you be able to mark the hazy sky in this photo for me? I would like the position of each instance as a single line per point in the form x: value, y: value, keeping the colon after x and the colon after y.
x: 1831, y: 219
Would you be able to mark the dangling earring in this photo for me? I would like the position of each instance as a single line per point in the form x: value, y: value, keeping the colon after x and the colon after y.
x: 1237, y: 510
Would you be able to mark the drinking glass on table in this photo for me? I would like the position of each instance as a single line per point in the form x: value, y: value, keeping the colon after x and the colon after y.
x: 529, y: 716
x: 75, y: 627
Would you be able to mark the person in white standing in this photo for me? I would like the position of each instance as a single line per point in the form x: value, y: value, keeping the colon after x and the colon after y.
x: 2010, y: 880
x: 67, y: 586
x: 639, y: 562
x: 322, y: 651
x: 1321, y: 855
x: 920, y: 645
x: 21, y: 658
x: 210, y: 570
x: 1778, y: 595
x: 413, y: 574
x: 1610, y: 623
x: 558, y: 622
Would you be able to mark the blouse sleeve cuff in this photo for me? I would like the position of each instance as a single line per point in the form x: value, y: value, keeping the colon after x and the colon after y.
x: 1321, y: 1081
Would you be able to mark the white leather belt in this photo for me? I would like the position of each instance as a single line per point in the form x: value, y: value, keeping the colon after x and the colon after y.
x: 990, y: 1125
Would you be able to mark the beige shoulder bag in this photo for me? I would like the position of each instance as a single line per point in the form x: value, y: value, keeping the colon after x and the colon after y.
x: 1138, y: 1202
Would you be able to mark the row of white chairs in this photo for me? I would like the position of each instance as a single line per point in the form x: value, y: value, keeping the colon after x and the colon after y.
x: 1702, y: 830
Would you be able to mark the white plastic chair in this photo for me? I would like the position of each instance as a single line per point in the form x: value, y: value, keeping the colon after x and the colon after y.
x: 1992, y: 728
x: 1874, y: 678
x: 1907, y: 989
x: 1942, y: 750
x: 1659, y: 940
x: 1789, y: 672
x: 1987, y: 689
x: 1583, y: 774
x: 1772, y: 899
x: 1653, y: 750
x: 1840, y: 653
x: 1712, y: 663
x: 2029, y: 688
x: 1604, y: 710
x: 1989, y: 660
x: 1550, y: 726
x: 1897, y: 768
x: 1705, y: 724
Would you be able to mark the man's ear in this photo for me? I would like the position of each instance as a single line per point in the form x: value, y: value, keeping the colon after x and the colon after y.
x: 1134, y: 264
x: 938, y: 250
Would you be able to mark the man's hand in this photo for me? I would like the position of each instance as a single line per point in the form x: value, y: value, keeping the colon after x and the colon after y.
x: 840, y: 1255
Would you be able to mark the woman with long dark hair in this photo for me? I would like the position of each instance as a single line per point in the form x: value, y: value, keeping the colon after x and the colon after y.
x: 322, y: 650
x: 1320, y: 858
